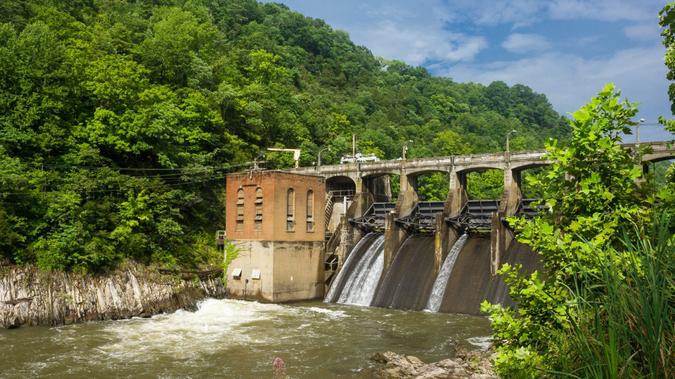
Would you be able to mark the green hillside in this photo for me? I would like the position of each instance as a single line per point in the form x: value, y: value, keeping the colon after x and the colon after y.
x: 118, y: 119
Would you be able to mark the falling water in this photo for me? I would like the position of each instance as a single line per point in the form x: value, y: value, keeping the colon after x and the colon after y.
x: 361, y: 285
x: 353, y: 259
x: 441, y: 282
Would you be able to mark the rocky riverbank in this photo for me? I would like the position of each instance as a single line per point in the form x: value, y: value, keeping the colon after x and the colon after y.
x: 29, y: 296
x: 465, y: 365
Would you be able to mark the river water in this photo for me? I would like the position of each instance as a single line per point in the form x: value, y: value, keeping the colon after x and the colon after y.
x: 237, y: 339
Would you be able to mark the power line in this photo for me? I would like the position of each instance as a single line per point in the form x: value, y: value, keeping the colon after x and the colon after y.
x: 119, y: 189
x: 168, y: 179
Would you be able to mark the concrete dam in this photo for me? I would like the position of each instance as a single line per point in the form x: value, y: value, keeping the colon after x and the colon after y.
x: 439, y: 256
x: 359, y: 233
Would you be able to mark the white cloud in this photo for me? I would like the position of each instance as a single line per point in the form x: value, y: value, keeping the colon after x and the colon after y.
x: 525, y: 43
x: 569, y: 80
x: 523, y: 13
x: 643, y: 32
x: 605, y: 10
x: 419, y: 44
x: 517, y: 12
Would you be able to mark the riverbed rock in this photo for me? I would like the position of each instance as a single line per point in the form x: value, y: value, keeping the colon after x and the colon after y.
x: 465, y: 365
x: 29, y: 296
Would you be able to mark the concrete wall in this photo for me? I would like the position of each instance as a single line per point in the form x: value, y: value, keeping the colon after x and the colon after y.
x: 253, y: 255
x: 289, y: 270
x: 298, y: 271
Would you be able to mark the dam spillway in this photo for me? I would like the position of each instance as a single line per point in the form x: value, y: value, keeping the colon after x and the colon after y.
x: 441, y: 282
x: 462, y: 284
x: 516, y: 254
x: 357, y: 280
x: 470, y: 278
x: 408, y: 282
x: 363, y: 281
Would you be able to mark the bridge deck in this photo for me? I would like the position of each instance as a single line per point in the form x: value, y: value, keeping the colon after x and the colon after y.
x: 463, y: 163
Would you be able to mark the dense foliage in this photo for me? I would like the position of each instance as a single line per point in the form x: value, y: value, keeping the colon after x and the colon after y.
x: 604, y: 306
x: 118, y: 119
x: 667, y: 23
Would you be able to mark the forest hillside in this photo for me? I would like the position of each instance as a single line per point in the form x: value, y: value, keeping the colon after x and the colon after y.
x: 119, y: 119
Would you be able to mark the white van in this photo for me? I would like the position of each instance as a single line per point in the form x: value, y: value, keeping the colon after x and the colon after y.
x: 359, y: 158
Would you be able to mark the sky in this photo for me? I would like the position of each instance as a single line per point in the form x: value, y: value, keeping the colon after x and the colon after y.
x: 565, y: 49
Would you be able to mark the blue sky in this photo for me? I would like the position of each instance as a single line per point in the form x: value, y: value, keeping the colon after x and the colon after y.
x: 565, y: 49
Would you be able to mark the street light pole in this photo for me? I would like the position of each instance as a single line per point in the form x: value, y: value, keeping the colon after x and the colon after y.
x: 404, y: 149
x: 508, y: 135
x: 637, y: 132
x: 318, y: 158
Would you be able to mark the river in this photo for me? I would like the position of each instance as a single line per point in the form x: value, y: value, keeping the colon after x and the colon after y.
x: 237, y: 339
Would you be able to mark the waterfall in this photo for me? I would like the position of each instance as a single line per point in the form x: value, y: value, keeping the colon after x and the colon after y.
x: 436, y: 297
x: 361, y: 285
x: 351, y: 261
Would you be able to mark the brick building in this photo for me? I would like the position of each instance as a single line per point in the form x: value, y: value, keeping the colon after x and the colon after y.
x: 276, y: 219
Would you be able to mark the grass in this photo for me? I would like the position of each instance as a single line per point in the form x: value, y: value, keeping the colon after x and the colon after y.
x: 622, y: 325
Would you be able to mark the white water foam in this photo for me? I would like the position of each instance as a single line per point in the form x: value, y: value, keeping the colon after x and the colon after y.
x: 441, y: 282
x: 361, y: 285
x: 483, y: 343
x: 328, y: 312
x: 183, y: 334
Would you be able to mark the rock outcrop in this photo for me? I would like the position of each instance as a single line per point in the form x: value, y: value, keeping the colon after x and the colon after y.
x: 29, y: 296
x: 471, y: 365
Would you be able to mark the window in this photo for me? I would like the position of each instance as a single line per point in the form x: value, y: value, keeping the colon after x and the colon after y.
x: 310, y: 211
x: 258, y: 209
x: 290, y: 210
x: 240, y: 210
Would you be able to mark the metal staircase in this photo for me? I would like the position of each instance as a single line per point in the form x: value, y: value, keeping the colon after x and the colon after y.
x: 328, y: 210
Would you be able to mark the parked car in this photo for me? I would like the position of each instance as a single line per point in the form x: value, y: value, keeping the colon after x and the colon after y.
x: 359, y: 158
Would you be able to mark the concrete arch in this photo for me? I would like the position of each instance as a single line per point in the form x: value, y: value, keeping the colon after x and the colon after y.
x: 380, y: 172
x: 528, y: 166
x: 340, y: 183
x: 462, y: 170
x: 424, y: 171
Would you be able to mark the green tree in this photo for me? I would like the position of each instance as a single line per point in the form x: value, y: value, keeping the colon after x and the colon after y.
x: 593, y: 193
x: 667, y: 22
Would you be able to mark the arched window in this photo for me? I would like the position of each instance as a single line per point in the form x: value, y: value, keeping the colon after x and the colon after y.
x: 310, y: 211
x: 240, y: 210
x: 290, y: 210
x: 258, y: 208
